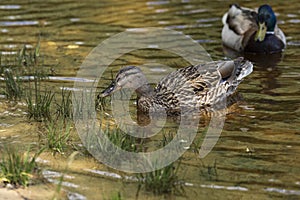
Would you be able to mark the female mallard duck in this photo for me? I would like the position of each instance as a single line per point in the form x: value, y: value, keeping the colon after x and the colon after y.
x: 193, y: 87
x: 250, y: 31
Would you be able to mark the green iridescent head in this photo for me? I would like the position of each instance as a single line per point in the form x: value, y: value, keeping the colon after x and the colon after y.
x: 266, y: 22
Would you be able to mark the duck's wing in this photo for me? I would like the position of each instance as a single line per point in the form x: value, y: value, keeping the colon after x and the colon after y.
x: 279, y: 33
x: 193, y: 86
x: 201, y: 85
x: 239, y: 25
x: 222, y: 78
x: 233, y: 72
x: 185, y: 88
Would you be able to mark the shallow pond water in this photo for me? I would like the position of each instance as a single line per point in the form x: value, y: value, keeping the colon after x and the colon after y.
x: 257, y: 154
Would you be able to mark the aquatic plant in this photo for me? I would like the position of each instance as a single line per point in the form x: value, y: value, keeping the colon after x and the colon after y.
x: 28, y: 58
x: 13, y: 70
x: 57, y: 136
x: 13, y: 85
x: 81, y: 104
x: 38, y: 98
x: 39, y: 104
x: 64, y: 107
x: 17, y: 168
x: 24, y: 69
x: 209, y: 172
x: 119, y: 138
x: 198, y: 141
x: 162, y: 181
x: 122, y: 140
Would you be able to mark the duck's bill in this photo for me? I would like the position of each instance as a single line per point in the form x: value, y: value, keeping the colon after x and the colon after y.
x: 109, y: 90
x: 261, y: 32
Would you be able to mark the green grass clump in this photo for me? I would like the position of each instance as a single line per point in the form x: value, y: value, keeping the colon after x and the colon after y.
x: 26, y: 68
x: 162, y: 181
x: 38, y: 98
x: 17, y: 70
x: 123, y: 140
x: 29, y: 58
x: 39, y: 105
x: 17, y: 168
x: 13, y: 85
x: 64, y: 107
x: 57, y: 136
x: 119, y: 138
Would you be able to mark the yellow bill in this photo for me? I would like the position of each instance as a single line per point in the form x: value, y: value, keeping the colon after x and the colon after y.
x: 261, y: 32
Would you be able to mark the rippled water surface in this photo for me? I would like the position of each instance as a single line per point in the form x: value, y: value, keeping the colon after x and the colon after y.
x: 257, y: 154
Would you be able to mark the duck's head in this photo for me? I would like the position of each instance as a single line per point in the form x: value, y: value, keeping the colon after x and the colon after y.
x: 266, y: 22
x: 128, y: 77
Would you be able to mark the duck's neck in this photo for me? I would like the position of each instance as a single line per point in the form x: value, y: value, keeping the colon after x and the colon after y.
x: 145, y: 98
x: 145, y: 90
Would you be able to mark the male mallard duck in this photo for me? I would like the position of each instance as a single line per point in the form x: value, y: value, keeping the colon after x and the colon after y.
x: 198, y: 86
x: 250, y: 31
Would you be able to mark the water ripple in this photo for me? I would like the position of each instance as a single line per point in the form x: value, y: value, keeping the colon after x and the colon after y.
x: 294, y: 21
x: 283, y: 191
x: 225, y: 187
x: 10, y: 7
x: 151, y: 3
x: 18, y: 23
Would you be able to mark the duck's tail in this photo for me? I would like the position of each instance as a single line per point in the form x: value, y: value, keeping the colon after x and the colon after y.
x: 233, y: 72
x: 244, y: 68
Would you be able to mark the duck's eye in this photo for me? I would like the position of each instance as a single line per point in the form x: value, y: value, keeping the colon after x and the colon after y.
x: 261, y: 18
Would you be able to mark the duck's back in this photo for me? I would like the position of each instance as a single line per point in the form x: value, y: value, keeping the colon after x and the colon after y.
x: 202, y: 85
x: 187, y: 87
x: 196, y: 87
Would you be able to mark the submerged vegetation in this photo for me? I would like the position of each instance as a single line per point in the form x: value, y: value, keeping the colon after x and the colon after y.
x: 162, y: 181
x: 209, y: 172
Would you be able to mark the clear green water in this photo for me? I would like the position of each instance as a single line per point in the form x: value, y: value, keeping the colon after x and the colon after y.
x: 257, y: 155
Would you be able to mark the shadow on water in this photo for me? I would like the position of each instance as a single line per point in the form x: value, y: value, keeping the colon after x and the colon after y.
x: 260, y: 60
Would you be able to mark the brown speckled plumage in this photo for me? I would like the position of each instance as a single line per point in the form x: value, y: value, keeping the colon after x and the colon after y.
x: 192, y: 87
